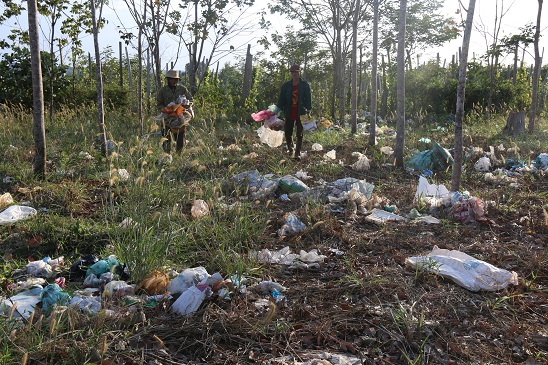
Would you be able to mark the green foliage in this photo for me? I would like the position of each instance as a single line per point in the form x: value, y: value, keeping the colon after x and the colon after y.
x: 16, y: 78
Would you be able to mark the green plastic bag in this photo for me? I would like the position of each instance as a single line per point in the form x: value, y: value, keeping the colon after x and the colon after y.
x: 437, y: 159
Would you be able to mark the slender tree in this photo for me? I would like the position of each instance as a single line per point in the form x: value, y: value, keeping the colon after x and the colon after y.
x: 400, y: 109
x: 536, y: 72
x: 355, y: 68
x: 99, y: 73
x: 39, y: 131
x: 374, y: 84
x: 459, y: 115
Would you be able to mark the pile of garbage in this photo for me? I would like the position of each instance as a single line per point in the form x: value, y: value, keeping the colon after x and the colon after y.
x: 101, y: 285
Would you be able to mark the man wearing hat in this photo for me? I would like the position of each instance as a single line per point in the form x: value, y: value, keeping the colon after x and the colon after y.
x: 295, y: 100
x: 172, y: 93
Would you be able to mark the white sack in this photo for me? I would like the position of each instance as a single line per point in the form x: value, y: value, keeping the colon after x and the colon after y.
x: 468, y: 272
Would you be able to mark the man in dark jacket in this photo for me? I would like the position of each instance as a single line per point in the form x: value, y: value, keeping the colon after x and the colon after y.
x: 173, y: 92
x: 295, y: 100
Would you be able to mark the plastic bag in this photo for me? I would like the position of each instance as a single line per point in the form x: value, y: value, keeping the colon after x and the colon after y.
x: 24, y: 302
x: 466, y: 271
x: 483, y: 164
x: 437, y: 159
x: 362, y: 164
x: 103, y: 266
x: 16, y: 213
x: 6, y: 199
x: 291, y: 226
x: 380, y: 216
x: 435, y: 195
x: 270, y: 137
x: 53, y: 295
x: 199, y: 209
x: 290, y: 184
x: 117, y: 289
x: 186, y: 279
x: 191, y: 299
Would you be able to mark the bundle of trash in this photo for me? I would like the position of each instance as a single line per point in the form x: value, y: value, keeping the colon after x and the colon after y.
x: 270, y: 118
x: 177, y: 114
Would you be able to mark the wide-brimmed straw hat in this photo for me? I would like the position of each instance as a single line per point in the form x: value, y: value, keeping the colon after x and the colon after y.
x: 172, y: 74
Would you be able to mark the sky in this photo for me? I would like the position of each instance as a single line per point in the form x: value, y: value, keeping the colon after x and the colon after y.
x: 517, y: 14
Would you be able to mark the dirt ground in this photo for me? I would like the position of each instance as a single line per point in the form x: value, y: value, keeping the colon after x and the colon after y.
x: 363, y: 305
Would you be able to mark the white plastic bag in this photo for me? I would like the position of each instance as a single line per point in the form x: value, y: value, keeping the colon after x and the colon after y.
x: 362, y: 164
x: 291, y: 226
x: 270, y: 137
x: 191, y: 299
x: 186, y: 279
x: 483, y: 164
x: 16, y: 213
x: 468, y: 272
x: 435, y: 195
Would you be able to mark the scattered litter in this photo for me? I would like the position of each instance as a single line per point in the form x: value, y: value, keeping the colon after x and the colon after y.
x: 380, y: 216
x: 291, y: 226
x: 117, y: 289
x: 5, y: 200
x: 317, y: 147
x: 483, y: 164
x: 53, y: 295
x: 284, y: 256
x: 270, y: 137
x: 123, y: 175
x: 387, y: 150
x: 16, y: 213
x: 466, y: 271
x: 437, y: 159
x: 85, y: 156
x: 186, y: 279
x: 199, y: 209
x: 25, y: 302
x: 192, y: 298
x: 362, y: 164
x: 79, y: 268
x: 154, y: 283
x: 257, y: 186
x: 86, y: 303
x: 110, y: 264
x: 331, y: 155
x: 434, y: 195
x: 302, y: 175
x: 273, y: 289
x: 310, y: 126
x: 127, y: 223
x: 468, y: 210
x: 291, y: 184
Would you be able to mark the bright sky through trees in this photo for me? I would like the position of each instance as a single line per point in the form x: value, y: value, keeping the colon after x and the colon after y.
x: 518, y: 14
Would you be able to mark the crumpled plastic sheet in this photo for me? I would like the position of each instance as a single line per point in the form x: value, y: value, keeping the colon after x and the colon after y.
x: 16, y: 213
x: 465, y: 270
x: 259, y: 186
x: 291, y: 226
x: 284, y: 256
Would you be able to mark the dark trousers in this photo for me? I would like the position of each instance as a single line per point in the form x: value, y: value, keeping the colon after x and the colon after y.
x: 288, y: 131
x: 179, y: 138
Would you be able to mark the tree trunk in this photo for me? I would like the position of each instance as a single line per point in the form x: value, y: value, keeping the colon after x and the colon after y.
x: 38, y: 131
x: 400, y: 109
x: 536, y: 72
x: 515, y: 124
x: 355, y: 68
x: 99, y: 76
x: 374, y: 93
x: 248, y: 71
x: 461, y: 88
